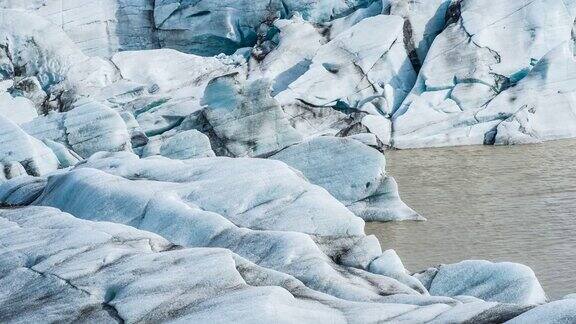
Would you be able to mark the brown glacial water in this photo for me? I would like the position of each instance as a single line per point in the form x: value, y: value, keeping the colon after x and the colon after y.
x: 515, y: 203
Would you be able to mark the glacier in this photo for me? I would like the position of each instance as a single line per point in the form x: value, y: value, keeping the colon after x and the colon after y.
x: 195, y: 161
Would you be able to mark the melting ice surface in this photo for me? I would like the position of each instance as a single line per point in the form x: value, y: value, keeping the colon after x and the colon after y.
x: 496, y: 203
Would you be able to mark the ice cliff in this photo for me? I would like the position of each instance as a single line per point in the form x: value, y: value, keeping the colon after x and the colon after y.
x: 195, y: 161
x: 413, y: 73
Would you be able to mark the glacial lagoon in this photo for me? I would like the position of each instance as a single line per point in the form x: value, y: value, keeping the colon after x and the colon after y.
x: 514, y: 203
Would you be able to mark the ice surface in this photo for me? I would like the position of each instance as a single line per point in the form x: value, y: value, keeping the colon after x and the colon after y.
x: 184, y: 145
x: 328, y: 273
x: 96, y: 271
x: 558, y: 312
x: 245, y: 119
x: 88, y: 128
x: 487, y: 48
x: 501, y: 282
x: 353, y: 173
x: 541, y: 106
x: 258, y: 166
x: 22, y: 154
x: 354, y: 68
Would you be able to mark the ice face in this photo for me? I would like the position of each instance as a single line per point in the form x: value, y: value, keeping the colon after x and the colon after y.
x: 478, y: 58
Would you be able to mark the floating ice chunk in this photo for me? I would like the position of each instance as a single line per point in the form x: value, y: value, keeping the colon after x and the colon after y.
x: 385, y: 204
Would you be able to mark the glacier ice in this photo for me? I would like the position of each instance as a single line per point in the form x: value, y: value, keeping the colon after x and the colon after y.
x: 468, y: 278
x: 307, y: 55
x: 224, y: 155
x: 540, y: 106
x: 333, y: 264
x: 352, y: 172
x: 560, y: 312
x: 184, y: 145
x: 354, y: 68
x: 37, y: 48
x: 245, y: 119
x: 97, y: 271
x: 488, y: 47
x: 22, y: 154
x: 89, y: 127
